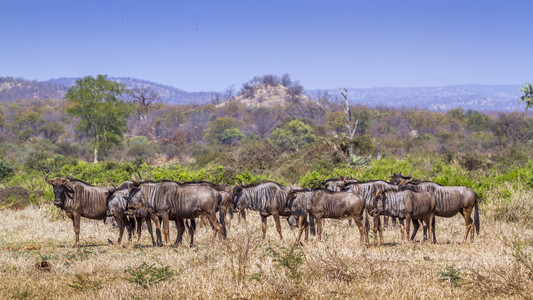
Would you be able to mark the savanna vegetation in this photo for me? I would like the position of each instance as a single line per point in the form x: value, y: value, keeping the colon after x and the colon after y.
x: 294, y: 143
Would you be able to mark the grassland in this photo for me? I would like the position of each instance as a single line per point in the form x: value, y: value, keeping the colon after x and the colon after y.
x: 499, y: 264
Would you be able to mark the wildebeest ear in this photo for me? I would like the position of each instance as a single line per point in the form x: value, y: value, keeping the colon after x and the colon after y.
x: 69, y: 176
x: 390, y: 174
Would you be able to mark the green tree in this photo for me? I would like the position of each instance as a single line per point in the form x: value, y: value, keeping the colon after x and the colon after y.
x: 28, y: 118
x: 527, y: 98
x: 224, y: 131
x: 294, y: 135
x: 102, y: 113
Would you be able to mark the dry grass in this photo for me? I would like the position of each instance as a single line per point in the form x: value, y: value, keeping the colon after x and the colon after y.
x: 497, y: 265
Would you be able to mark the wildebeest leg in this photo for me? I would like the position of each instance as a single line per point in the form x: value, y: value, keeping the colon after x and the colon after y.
x: 377, y: 227
x: 300, y: 230
x: 180, y: 228
x: 166, y: 231
x: 350, y: 222
x: 416, y: 226
x: 120, y: 228
x: 433, y: 228
x: 149, y: 227
x: 386, y: 221
x: 363, y: 235
x: 216, y: 224
x: 402, y: 227
x: 468, y: 222
x: 407, y: 227
x: 76, y: 224
x: 157, y: 223
x: 319, y: 228
x: 275, y: 215
x: 139, y: 227
x: 264, y: 225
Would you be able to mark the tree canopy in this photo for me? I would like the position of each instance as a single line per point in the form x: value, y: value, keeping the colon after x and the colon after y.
x: 527, y: 98
x: 103, y: 115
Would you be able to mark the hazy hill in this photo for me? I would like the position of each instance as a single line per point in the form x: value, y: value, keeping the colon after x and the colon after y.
x: 18, y: 88
x: 168, y: 94
x: 477, y: 97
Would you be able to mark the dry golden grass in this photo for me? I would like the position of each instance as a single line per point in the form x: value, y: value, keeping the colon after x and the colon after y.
x: 496, y: 265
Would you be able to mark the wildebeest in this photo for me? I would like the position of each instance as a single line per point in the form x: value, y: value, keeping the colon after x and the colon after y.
x: 79, y: 199
x: 398, y: 178
x: 323, y: 203
x: 450, y: 200
x: 117, y: 207
x: 367, y: 190
x: 406, y: 205
x: 170, y: 199
x: 268, y: 198
x: 337, y: 184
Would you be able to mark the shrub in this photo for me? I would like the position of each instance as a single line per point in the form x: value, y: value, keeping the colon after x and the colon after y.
x: 5, y: 168
x: 146, y: 275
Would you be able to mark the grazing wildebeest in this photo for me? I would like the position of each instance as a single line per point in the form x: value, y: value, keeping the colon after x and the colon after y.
x: 79, y: 199
x: 337, y: 184
x: 224, y: 207
x: 449, y: 200
x: 398, y: 178
x: 323, y: 203
x: 406, y: 205
x: 170, y: 199
x: 268, y: 198
x: 367, y: 190
x: 117, y: 206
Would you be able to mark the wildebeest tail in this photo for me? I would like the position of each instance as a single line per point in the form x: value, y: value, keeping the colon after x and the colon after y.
x: 476, y: 215
x: 312, y: 224
x: 221, y: 216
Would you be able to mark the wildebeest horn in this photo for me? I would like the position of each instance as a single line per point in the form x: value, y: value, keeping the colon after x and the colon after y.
x: 134, y: 179
x: 410, y: 175
x: 69, y: 176
x: 46, y: 179
x: 140, y: 177
x: 390, y: 174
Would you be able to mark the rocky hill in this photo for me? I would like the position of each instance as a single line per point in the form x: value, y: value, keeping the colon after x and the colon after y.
x: 279, y: 97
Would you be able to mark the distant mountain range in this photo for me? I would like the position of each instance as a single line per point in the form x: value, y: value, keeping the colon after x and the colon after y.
x: 478, y: 97
x: 472, y: 96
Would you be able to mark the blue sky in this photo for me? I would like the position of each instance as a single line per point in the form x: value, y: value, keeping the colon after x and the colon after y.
x: 210, y: 45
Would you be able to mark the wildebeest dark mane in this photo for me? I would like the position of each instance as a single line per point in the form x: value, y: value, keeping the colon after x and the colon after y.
x: 215, y: 186
x: 81, y: 181
x: 323, y: 190
x: 301, y: 190
x: 363, y: 182
x: 252, y: 185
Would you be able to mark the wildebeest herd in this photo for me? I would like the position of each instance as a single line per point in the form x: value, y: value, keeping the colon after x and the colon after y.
x: 137, y: 201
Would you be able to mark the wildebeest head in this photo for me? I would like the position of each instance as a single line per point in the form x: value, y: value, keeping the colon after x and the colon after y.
x: 237, y: 203
x: 377, y: 204
x: 62, y: 188
x: 399, y: 179
x: 296, y: 202
x: 134, y: 198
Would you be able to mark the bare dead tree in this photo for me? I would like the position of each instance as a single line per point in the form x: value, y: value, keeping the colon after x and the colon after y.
x: 144, y: 98
x: 349, y: 130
